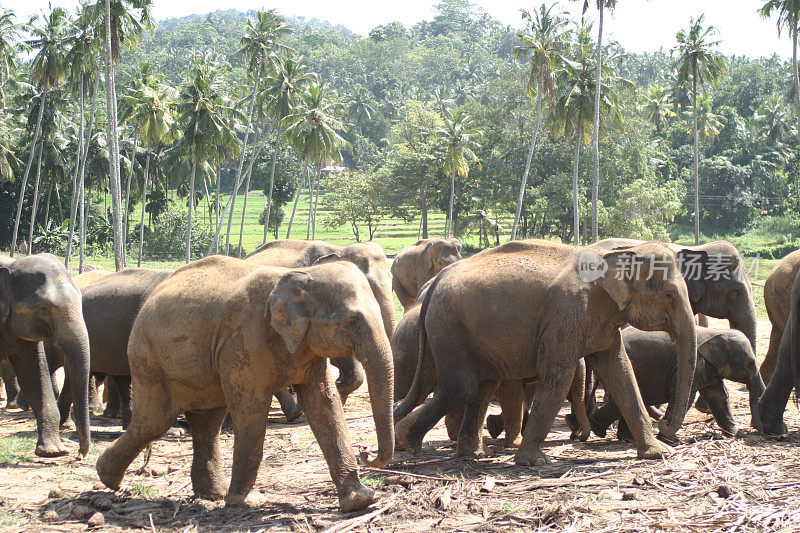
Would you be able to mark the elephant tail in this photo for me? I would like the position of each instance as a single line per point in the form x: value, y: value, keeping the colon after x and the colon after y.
x: 417, y: 393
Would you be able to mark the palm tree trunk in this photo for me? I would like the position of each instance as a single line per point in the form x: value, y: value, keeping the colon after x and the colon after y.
x: 113, y: 145
x: 35, y: 198
x: 82, y: 173
x: 310, y: 206
x: 48, y: 202
x: 242, y: 158
x: 144, y: 206
x: 524, y: 183
x: 696, y: 161
x: 257, y: 147
x: 452, y: 195
x: 191, y: 211
x: 244, y: 211
x: 316, y: 201
x: 296, y: 201
x: 576, y: 217
x: 596, y: 132
x: 216, y: 211
x: 36, y: 132
x: 272, y: 179
x: 131, y: 174
x: 73, y: 209
x: 208, y: 198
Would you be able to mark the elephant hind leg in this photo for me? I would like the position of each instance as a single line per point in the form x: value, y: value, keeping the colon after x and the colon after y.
x: 470, y: 440
x: 771, y: 359
x: 152, y: 416
x: 208, y: 479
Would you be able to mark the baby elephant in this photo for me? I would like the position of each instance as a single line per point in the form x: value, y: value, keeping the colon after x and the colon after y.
x: 416, y: 264
x: 722, y: 354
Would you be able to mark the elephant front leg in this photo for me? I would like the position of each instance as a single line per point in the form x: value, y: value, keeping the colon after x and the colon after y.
x: 325, y: 416
x: 614, y: 369
x: 250, y: 426
x: 34, y: 379
x: 470, y: 440
x: 554, y: 384
x: 208, y: 479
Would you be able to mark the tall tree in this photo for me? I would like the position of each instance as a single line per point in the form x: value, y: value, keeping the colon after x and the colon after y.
x: 461, y: 138
x: 541, y: 46
x: 9, y: 46
x: 788, y: 18
x: 658, y: 106
x: 207, y: 136
x: 698, y: 64
x: 47, y: 70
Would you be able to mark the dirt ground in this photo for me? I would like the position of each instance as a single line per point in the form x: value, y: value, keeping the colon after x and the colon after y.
x: 709, y: 483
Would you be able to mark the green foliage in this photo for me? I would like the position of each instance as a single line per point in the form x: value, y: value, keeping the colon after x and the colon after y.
x: 356, y: 199
x: 166, y: 240
x: 645, y: 210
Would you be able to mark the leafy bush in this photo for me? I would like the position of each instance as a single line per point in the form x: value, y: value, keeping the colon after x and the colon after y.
x: 166, y: 239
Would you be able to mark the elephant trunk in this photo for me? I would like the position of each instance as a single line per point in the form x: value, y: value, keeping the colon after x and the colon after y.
x: 755, y: 388
x: 377, y: 362
x: 747, y: 323
x: 686, y: 343
x: 386, y: 303
x: 73, y: 342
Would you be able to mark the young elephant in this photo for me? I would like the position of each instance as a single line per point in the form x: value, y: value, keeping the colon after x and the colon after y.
x: 530, y: 309
x: 722, y: 354
x: 223, y: 334
x: 415, y: 265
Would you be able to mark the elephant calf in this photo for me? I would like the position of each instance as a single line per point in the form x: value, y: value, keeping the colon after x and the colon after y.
x: 723, y: 354
x: 415, y: 265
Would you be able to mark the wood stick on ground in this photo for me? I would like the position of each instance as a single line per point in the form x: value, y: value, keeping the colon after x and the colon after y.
x: 357, y: 521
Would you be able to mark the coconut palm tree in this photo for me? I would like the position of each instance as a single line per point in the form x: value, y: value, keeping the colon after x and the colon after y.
x: 359, y: 106
x: 260, y: 45
x: 49, y: 37
x: 788, y: 18
x: 461, y: 138
x: 207, y: 136
x: 658, y: 106
x: 285, y: 84
x: 698, y: 64
x: 575, y: 105
x: 601, y: 7
x: 313, y: 128
x: 541, y: 47
x: 82, y: 59
x: 9, y: 46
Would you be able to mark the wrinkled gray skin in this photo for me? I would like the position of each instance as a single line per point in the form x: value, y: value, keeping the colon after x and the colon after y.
x: 777, y: 295
x: 786, y: 375
x: 722, y: 354
x: 370, y: 259
x: 110, y: 306
x: 222, y: 334
x: 40, y: 303
x: 415, y: 265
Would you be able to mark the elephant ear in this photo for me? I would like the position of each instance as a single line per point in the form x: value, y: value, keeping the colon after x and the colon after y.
x: 289, y: 308
x: 693, y: 265
x: 330, y: 258
x: 618, y: 277
x: 5, y: 295
x: 715, y: 351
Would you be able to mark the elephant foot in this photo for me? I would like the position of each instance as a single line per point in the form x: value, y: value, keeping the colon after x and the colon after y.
x: 51, y: 450
x: 252, y: 500
x: 597, y: 429
x: 453, y: 424
x: 292, y: 416
x: 356, y: 498
x: 472, y: 450
x: 69, y: 425
x: 775, y: 429
x: 670, y: 441
x: 495, y: 425
x: 111, y: 412
x: 577, y: 432
x: 111, y: 477
x: 654, y: 450
x: 404, y: 440
x: 212, y: 494
x: 531, y: 456
x: 513, y: 443
x: 702, y: 406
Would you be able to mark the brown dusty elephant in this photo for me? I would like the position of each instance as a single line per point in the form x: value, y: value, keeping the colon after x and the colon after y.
x: 509, y: 393
x: 533, y: 309
x: 415, y: 265
x: 87, y: 278
x: 223, y: 334
x: 777, y: 293
x: 369, y: 257
x: 40, y: 303
x: 721, y: 354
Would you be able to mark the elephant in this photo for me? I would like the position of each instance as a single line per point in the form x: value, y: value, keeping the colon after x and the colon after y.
x: 405, y: 352
x: 223, y: 334
x: 40, y: 303
x: 722, y: 354
x: 369, y: 257
x: 415, y: 265
x: 777, y: 293
x: 533, y: 309
x: 87, y: 278
x: 786, y: 375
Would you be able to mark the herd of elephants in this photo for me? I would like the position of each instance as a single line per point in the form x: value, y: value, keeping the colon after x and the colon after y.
x: 524, y: 323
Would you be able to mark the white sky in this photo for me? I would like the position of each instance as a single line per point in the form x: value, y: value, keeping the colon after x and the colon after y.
x: 639, y: 25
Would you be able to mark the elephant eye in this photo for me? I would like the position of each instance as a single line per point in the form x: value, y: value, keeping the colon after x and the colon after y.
x: 351, y: 322
x: 44, y: 309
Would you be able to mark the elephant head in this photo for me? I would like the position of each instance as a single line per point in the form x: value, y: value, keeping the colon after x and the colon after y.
x: 732, y: 357
x: 370, y: 259
x: 645, y: 283
x: 40, y: 303
x: 441, y: 253
x: 718, y: 285
x: 331, y: 307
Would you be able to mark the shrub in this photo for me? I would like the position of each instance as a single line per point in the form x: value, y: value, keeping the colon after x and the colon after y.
x: 166, y: 239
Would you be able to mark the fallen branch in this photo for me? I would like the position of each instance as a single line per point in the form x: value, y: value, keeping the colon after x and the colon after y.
x: 357, y: 521
x: 411, y: 474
